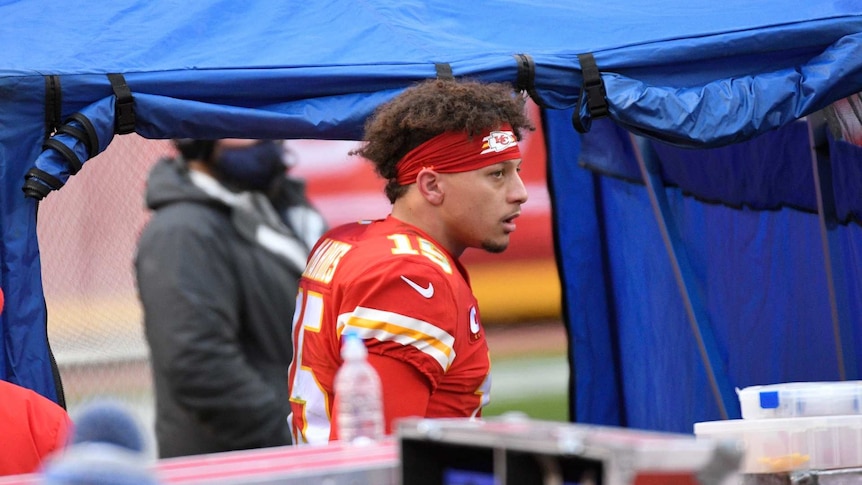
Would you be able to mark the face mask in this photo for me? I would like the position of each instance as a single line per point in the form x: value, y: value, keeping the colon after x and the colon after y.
x: 253, y: 167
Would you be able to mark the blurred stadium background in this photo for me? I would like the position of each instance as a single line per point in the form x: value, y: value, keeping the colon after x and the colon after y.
x: 88, y: 233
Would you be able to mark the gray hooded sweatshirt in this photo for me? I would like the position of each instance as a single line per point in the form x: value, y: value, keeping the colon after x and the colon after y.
x: 217, y: 275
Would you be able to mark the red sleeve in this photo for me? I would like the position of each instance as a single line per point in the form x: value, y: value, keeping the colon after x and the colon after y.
x: 33, y: 427
x: 56, y: 428
x: 406, y: 391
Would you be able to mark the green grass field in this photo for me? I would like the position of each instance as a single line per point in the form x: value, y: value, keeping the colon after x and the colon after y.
x: 549, y: 407
x: 536, y: 385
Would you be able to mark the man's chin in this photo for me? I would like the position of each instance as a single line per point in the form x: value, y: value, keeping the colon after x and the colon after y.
x: 495, y: 247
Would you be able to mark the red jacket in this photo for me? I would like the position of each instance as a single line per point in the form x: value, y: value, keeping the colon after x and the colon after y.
x: 31, y: 427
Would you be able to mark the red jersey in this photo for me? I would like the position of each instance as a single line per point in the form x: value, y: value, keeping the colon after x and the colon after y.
x: 32, y: 427
x: 391, y: 284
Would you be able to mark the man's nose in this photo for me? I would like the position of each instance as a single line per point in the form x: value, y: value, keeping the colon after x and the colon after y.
x: 518, y: 191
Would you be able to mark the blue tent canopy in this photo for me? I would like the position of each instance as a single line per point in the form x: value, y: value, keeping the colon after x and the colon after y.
x: 667, y: 67
x: 681, y: 73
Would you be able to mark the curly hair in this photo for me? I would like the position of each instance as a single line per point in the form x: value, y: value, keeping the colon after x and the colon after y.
x: 430, y: 108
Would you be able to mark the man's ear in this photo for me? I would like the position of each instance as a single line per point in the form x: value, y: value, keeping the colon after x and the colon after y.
x: 428, y: 183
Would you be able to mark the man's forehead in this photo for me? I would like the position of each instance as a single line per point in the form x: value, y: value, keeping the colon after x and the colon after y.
x: 513, y: 161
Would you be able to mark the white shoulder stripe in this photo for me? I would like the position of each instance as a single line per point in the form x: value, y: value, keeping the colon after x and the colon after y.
x: 385, y: 326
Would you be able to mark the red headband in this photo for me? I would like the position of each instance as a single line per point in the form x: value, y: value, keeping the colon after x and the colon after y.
x: 453, y: 152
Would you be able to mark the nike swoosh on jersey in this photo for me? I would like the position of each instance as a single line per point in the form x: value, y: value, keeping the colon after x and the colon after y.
x: 425, y: 292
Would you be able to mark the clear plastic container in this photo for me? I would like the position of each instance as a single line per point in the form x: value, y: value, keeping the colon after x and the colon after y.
x: 798, y: 399
x: 786, y: 444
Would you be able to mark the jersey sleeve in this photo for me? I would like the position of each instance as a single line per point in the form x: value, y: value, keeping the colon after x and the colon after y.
x: 405, y: 310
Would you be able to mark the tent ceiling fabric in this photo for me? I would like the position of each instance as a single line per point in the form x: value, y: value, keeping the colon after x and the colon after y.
x: 686, y: 72
x: 140, y: 36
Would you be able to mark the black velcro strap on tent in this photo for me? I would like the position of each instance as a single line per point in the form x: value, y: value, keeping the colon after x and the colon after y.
x: 53, y: 104
x: 526, y: 72
x: 70, y: 156
x: 38, y: 184
x: 593, y: 91
x: 444, y: 71
x: 526, y: 80
x: 47, y: 178
x: 76, y: 133
x: 90, y: 139
x: 124, y: 107
x: 34, y: 189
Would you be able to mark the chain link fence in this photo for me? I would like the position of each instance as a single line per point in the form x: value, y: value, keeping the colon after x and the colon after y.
x: 87, y: 233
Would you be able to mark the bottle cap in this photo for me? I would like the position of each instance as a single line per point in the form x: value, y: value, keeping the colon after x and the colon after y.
x: 352, y: 347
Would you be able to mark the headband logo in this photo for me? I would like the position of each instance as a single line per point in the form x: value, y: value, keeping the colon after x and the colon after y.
x: 497, y: 141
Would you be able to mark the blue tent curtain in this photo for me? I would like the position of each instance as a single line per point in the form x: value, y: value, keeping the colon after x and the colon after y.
x: 846, y: 161
x: 760, y: 274
x: 767, y: 172
x: 25, y: 359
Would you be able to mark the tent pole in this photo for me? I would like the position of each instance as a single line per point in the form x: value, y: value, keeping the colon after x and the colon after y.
x: 832, y: 253
x: 723, y: 392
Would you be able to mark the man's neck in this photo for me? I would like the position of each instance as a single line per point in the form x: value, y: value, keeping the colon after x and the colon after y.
x: 425, y: 218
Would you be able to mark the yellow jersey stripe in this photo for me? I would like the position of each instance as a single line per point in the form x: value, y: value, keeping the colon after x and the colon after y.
x: 369, y: 323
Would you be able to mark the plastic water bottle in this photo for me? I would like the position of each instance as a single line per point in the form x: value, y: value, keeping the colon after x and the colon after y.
x: 358, y: 396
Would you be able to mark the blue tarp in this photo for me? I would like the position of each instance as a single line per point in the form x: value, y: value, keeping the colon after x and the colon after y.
x: 687, y: 73
x: 758, y: 267
x: 770, y: 171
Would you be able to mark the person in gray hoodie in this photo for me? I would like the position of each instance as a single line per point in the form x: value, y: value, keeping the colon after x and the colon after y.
x: 217, y: 268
